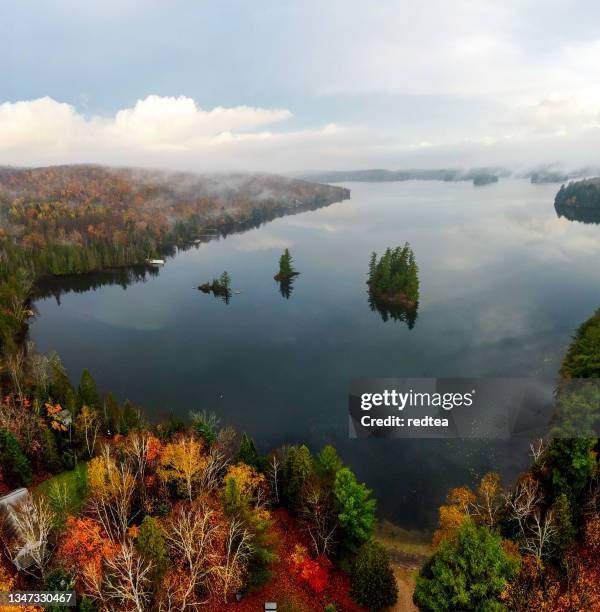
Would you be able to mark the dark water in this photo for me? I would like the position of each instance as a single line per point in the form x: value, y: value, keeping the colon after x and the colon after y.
x: 504, y: 284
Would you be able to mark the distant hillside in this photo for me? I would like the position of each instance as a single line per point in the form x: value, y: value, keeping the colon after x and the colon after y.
x: 579, y: 194
x: 381, y: 176
x: 79, y: 218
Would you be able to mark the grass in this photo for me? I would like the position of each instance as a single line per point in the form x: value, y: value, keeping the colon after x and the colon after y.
x: 66, y: 491
x: 404, y: 543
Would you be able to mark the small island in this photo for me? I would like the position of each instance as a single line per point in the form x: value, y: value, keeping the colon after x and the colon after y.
x: 484, y: 178
x: 394, y: 278
x: 579, y: 194
x: 219, y: 287
x: 286, y: 269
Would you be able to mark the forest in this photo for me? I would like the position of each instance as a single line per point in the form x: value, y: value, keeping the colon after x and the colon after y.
x: 174, y: 515
x: 533, y: 545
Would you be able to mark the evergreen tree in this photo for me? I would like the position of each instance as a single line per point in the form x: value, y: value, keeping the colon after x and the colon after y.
x: 15, y: 464
x: 231, y: 498
x: 151, y: 545
x: 130, y: 418
x: 466, y: 574
x: 225, y: 281
x: 328, y: 463
x: 112, y: 414
x: 373, y: 584
x: 286, y: 268
x: 297, y: 469
x: 247, y: 453
x: 566, y: 530
x: 372, y: 266
x: 88, y: 391
x: 355, y: 507
x: 60, y: 387
x: 52, y: 461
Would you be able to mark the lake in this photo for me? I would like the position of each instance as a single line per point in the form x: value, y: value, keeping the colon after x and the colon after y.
x: 504, y: 285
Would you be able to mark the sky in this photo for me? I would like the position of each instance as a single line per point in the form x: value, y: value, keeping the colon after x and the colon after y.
x: 282, y: 86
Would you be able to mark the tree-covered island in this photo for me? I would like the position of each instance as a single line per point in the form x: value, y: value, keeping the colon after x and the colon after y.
x: 286, y: 268
x: 579, y: 194
x: 394, y: 278
x: 219, y: 287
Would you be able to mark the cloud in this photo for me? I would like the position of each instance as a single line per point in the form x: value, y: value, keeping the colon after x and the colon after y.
x: 165, y: 132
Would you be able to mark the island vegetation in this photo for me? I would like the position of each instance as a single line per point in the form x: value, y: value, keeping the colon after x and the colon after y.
x: 394, y: 277
x: 533, y: 545
x: 579, y: 194
x: 286, y: 267
x: 219, y: 287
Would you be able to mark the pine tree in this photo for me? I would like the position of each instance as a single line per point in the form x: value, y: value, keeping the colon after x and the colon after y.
x: 15, y: 464
x: 286, y: 268
x: 372, y: 267
x: 88, y: 391
x: 247, y: 453
x: 130, y: 418
x: 225, y: 281
x: 297, y: 469
x: 52, y: 460
x: 151, y: 545
x: 112, y: 414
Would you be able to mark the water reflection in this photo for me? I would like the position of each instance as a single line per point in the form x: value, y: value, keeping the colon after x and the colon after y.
x: 403, y: 313
x: 578, y: 213
x: 286, y: 287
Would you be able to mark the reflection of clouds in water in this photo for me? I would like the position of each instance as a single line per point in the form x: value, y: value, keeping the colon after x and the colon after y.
x: 136, y: 312
x: 260, y: 241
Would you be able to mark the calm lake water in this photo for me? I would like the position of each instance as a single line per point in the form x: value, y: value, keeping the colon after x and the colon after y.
x: 504, y: 284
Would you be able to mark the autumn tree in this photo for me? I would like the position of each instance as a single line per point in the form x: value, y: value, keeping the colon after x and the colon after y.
x: 112, y: 486
x: 238, y: 551
x: 88, y: 424
x: 181, y: 464
x: 193, y: 534
x: 32, y: 520
x: 84, y: 547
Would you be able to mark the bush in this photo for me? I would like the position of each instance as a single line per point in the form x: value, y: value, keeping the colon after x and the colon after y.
x: 373, y: 584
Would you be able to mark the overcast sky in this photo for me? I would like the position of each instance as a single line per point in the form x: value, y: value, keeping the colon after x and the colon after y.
x: 291, y: 86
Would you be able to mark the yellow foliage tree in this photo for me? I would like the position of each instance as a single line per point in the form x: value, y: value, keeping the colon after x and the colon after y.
x: 182, y: 463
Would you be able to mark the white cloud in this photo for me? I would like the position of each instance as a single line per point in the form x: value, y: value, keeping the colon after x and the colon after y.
x: 163, y: 131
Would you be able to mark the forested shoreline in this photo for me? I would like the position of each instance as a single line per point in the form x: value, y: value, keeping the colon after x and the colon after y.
x: 533, y: 545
